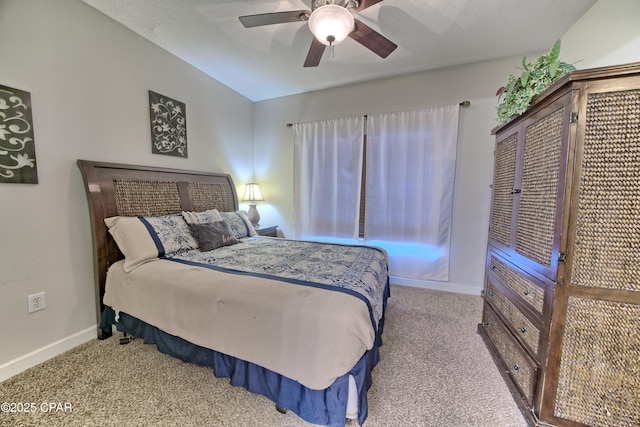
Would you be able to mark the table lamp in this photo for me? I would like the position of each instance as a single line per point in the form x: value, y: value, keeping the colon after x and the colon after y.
x: 252, y: 194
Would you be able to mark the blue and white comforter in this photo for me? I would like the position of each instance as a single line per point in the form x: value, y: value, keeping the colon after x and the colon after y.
x: 358, y: 270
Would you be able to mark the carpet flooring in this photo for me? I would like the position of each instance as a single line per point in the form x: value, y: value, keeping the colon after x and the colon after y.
x: 434, y: 371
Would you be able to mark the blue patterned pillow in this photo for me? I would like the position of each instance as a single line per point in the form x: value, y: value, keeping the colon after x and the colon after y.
x: 206, y: 217
x: 144, y: 239
x: 238, y: 223
x: 171, y: 233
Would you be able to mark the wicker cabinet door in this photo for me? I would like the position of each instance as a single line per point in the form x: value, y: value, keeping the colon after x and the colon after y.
x: 545, y: 140
x: 607, y: 199
x: 501, y: 225
x: 598, y: 382
x: 598, y: 377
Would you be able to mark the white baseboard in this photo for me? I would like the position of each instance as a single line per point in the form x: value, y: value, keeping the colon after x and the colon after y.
x: 45, y: 353
x: 436, y: 286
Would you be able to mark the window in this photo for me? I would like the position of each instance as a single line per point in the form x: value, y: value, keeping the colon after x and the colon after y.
x: 394, y: 187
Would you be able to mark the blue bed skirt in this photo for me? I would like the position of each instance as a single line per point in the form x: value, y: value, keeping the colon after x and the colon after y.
x: 325, y: 407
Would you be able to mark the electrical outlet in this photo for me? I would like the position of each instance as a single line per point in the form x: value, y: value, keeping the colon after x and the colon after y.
x: 36, y: 302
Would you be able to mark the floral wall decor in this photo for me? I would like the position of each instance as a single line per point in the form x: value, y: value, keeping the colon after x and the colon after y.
x: 17, y: 146
x: 168, y: 125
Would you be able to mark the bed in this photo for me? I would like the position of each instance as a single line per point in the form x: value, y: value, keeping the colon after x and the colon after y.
x: 177, y: 264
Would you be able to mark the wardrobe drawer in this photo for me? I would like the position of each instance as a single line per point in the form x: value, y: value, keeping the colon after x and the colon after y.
x: 520, y: 325
x: 520, y: 367
x: 529, y: 291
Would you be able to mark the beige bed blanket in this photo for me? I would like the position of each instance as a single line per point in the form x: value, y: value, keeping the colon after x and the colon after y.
x: 307, y: 334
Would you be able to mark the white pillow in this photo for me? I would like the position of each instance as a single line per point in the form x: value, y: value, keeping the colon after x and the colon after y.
x: 133, y: 239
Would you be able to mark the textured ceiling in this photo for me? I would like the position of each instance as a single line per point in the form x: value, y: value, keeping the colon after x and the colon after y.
x: 266, y: 62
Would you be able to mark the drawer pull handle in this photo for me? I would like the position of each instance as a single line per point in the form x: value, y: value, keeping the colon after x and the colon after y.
x: 527, y: 292
x: 523, y: 329
x: 487, y: 323
x: 493, y: 267
x: 492, y: 294
x: 516, y: 367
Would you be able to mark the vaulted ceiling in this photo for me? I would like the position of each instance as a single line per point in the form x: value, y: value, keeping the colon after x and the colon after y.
x: 267, y: 61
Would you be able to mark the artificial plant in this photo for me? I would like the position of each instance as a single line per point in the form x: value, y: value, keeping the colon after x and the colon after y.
x: 515, y: 97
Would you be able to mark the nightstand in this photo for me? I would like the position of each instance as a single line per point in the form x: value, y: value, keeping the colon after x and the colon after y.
x: 268, y: 231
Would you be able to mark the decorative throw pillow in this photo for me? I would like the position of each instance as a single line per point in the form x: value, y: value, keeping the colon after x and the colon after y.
x: 213, y: 235
x: 239, y: 223
x: 208, y: 216
x: 171, y: 233
x: 143, y: 239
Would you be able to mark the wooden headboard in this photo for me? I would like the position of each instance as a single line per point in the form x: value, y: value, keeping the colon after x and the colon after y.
x: 127, y: 190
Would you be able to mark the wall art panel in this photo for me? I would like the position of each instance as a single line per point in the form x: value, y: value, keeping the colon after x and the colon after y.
x: 17, y: 145
x: 168, y: 125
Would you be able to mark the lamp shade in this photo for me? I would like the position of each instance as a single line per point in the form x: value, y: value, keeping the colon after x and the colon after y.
x: 331, y: 24
x: 252, y: 193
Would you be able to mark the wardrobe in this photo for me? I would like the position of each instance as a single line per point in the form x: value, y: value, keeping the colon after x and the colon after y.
x: 561, y: 313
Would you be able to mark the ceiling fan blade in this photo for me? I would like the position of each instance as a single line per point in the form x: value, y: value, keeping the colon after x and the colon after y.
x: 372, y: 40
x: 274, y: 18
x: 315, y: 53
x: 365, y: 4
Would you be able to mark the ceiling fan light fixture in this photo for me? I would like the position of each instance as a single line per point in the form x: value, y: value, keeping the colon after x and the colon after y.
x: 331, y: 24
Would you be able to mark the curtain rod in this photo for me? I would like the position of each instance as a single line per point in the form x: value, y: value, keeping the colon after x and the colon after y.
x: 462, y: 104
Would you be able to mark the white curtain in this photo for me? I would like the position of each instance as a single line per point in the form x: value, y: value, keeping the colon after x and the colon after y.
x: 327, y: 177
x: 411, y: 157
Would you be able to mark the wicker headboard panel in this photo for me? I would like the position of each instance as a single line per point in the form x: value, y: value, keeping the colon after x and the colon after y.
x: 127, y: 190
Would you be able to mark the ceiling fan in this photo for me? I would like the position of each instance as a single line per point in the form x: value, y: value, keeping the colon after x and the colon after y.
x: 330, y: 21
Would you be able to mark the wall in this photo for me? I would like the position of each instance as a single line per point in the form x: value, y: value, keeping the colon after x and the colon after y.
x: 89, y: 79
x: 607, y: 34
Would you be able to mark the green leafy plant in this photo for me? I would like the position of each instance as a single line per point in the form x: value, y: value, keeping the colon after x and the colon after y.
x: 515, y: 97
